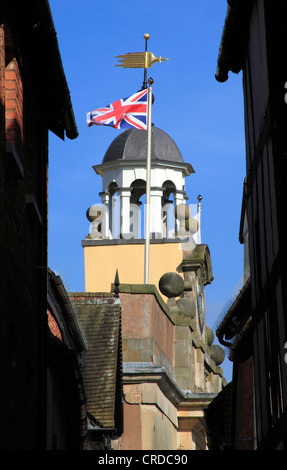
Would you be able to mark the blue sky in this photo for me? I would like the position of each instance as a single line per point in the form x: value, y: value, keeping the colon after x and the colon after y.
x: 204, y: 117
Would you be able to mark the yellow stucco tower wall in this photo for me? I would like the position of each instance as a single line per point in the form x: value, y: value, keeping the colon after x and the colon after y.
x: 102, y: 261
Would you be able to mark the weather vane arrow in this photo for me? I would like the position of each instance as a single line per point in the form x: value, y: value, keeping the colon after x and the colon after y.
x: 134, y: 60
x: 144, y: 60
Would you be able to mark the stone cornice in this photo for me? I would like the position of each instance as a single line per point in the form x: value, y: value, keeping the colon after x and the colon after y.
x: 134, y: 372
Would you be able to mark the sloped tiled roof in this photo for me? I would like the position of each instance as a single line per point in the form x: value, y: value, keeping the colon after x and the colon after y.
x: 99, y: 316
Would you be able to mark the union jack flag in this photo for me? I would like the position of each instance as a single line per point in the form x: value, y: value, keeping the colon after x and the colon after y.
x: 122, y: 114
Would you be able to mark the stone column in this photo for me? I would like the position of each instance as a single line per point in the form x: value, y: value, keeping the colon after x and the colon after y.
x: 105, y: 196
x: 156, y: 226
x: 165, y: 219
x: 112, y: 216
x: 125, y: 202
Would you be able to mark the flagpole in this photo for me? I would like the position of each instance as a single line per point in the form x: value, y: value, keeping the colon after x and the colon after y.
x: 146, y: 37
x: 148, y: 178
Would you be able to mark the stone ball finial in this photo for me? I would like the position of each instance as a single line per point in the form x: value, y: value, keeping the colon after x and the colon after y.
x: 182, y: 211
x: 209, y: 335
x: 192, y: 225
x: 217, y: 354
x: 171, y: 285
x: 95, y: 213
x: 186, y: 306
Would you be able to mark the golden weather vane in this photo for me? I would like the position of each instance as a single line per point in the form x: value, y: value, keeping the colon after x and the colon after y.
x: 142, y: 60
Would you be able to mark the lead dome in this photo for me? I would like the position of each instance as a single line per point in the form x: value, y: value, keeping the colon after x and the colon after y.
x: 132, y: 143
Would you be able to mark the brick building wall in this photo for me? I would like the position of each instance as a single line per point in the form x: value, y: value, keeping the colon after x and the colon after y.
x: 145, y: 323
x: 30, y: 105
x: 23, y: 255
x: 14, y: 105
x: 244, y: 410
x: 2, y: 94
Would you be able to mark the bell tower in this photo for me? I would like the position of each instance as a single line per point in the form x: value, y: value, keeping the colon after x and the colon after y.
x: 123, y: 172
x: 117, y: 221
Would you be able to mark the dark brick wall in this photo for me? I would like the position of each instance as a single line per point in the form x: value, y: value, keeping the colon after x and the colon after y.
x: 23, y: 241
x: 244, y: 410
